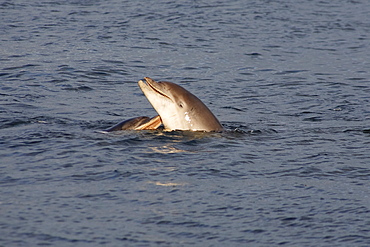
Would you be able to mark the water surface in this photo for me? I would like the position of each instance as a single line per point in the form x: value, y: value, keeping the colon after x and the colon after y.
x: 289, y: 81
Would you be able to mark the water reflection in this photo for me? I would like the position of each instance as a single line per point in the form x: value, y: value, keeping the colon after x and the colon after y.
x: 167, y: 184
x: 167, y: 149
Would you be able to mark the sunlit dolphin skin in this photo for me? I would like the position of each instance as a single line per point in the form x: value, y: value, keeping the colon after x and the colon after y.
x: 178, y: 108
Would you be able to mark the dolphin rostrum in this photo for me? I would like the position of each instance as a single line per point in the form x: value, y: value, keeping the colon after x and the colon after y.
x: 178, y: 108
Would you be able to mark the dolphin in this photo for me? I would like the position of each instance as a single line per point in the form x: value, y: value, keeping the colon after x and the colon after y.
x: 178, y: 108
x: 137, y: 123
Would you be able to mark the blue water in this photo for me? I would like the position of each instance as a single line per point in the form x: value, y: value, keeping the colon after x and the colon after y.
x: 289, y: 80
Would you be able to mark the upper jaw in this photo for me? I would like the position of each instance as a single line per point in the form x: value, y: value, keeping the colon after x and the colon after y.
x: 149, y: 80
x: 153, y: 85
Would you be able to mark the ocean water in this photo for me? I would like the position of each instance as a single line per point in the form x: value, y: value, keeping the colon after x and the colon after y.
x: 289, y: 81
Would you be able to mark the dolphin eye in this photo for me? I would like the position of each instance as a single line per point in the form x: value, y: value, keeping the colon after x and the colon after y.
x: 181, y: 105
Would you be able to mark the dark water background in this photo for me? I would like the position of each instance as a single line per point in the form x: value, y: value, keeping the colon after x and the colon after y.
x: 289, y: 80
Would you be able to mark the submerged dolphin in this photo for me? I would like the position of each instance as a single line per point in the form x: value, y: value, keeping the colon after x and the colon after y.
x: 178, y: 108
x: 137, y: 123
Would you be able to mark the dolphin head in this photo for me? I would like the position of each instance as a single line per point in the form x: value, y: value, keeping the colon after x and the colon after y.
x: 178, y: 108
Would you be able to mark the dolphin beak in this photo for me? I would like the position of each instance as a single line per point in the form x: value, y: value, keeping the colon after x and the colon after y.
x: 153, y: 85
x: 149, y: 80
